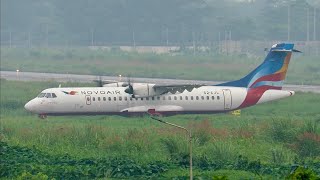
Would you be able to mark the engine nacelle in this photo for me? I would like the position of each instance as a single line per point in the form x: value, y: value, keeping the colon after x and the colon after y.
x: 117, y: 84
x: 145, y: 90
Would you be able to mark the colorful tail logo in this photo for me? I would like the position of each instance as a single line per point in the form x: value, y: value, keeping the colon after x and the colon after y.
x: 269, y: 75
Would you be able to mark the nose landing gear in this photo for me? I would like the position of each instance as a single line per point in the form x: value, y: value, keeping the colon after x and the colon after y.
x: 42, y: 116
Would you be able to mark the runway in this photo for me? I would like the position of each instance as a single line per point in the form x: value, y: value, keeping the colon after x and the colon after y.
x: 36, y: 76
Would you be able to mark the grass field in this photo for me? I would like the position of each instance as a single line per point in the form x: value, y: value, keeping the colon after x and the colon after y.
x: 266, y: 141
x: 183, y: 65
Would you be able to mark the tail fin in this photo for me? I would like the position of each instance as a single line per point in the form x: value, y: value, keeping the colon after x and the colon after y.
x: 271, y: 73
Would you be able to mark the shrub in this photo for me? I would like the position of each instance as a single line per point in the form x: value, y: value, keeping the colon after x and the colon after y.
x: 27, y: 175
x: 223, y: 177
x: 308, y: 144
x: 302, y: 173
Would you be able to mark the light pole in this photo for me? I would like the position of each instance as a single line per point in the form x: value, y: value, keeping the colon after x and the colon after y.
x: 314, y: 23
x: 92, y: 37
x: 18, y: 73
x: 190, y: 140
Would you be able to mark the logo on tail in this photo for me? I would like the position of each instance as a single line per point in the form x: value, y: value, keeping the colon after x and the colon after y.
x: 268, y: 75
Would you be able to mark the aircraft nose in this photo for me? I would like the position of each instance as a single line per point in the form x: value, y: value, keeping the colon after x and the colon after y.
x: 29, y: 106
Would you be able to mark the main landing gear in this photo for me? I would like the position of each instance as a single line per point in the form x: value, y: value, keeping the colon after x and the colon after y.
x: 153, y: 113
x: 42, y: 116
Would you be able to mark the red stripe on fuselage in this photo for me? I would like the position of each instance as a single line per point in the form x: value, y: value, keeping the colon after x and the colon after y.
x: 254, y: 95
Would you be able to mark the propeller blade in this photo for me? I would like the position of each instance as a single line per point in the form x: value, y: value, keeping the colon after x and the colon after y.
x: 99, y: 82
x: 129, y: 90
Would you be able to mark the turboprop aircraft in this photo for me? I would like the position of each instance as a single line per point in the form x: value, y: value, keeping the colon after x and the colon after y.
x: 263, y: 84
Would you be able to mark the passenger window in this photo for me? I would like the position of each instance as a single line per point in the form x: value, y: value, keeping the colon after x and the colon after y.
x: 104, y: 98
x: 191, y: 97
x: 202, y: 97
x: 212, y: 97
x: 175, y: 97
x: 152, y: 98
x: 114, y: 98
x: 169, y: 98
x: 208, y: 97
x: 197, y: 97
x: 125, y: 98
x: 130, y: 98
x: 158, y: 98
x: 120, y: 98
x: 88, y: 99
x: 141, y: 99
x: 99, y: 98
x: 164, y: 98
x: 218, y: 97
x: 48, y: 95
x: 186, y: 97
x: 54, y: 95
x: 147, y: 98
x: 93, y: 99
x: 109, y: 98
x: 181, y: 98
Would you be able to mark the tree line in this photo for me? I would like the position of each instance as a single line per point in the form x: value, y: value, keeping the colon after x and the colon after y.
x: 154, y: 22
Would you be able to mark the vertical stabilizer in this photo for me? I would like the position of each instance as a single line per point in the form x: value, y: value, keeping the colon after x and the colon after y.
x: 271, y: 73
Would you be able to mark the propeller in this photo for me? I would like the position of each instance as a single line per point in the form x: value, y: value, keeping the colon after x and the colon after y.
x: 129, y: 90
x: 99, y: 82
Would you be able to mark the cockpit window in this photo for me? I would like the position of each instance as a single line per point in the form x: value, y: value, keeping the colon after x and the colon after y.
x: 48, y: 95
x: 41, y: 95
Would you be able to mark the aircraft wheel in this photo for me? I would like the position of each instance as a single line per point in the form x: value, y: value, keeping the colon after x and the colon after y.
x: 42, y: 116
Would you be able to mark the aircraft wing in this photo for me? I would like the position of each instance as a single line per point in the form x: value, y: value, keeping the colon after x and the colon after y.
x: 147, y: 89
x: 174, y: 88
x: 105, y: 81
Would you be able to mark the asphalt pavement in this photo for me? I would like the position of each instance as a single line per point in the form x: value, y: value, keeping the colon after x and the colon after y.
x: 37, y: 76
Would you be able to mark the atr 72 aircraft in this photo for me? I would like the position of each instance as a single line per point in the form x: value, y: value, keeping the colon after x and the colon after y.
x: 263, y: 84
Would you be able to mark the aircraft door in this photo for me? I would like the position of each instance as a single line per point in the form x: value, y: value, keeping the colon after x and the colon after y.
x: 227, y: 99
x: 88, y: 99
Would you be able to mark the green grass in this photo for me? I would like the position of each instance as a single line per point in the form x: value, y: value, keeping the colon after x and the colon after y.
x: 202, y: 66
x: 264, y: 141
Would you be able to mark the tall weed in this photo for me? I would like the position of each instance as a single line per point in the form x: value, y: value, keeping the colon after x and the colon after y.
x: 311, y: 126
x: 220, y: 154
x: 283, y: 130
x: 177, y: 149
x: 279, y: 156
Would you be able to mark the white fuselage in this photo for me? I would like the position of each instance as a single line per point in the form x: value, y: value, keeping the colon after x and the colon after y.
x: 113, y: 100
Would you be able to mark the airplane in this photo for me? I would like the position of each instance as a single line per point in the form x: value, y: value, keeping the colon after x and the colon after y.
x: 262, y: 85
